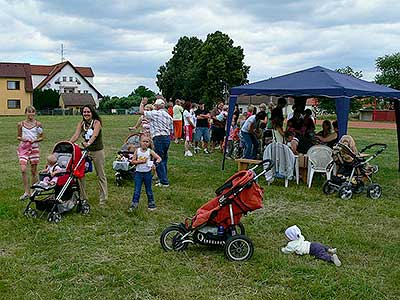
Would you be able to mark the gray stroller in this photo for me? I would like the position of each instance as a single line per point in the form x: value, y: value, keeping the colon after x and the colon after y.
x: 124, y: 170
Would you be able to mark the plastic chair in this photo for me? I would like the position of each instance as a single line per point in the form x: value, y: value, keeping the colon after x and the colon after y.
x: 320, y: 161
x: 285, y: 162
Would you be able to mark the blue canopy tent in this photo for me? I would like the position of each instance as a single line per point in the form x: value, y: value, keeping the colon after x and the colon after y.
x: 314, y: 82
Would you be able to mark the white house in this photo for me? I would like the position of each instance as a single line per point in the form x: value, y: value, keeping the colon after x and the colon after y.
x: 65, y: 78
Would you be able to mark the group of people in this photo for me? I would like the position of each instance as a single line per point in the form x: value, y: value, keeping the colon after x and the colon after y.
x: 248, y: 131
x: 30, y: 133
x: 158, y: 131
x: 255, y: 129
x: 197, y: 126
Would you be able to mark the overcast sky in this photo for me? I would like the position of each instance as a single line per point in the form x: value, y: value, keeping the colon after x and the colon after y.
x: 125, y: 41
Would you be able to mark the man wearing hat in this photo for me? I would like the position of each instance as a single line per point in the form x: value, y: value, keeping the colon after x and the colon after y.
x: 161, y: 128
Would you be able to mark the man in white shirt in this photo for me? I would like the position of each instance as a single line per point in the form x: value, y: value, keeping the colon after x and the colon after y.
x: 161, y: 128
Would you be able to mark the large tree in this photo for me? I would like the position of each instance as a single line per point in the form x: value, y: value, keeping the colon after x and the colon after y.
x: 389, y: 68
x: 200, y: 70
x: 46, y: 99
x: 218, y: 66
x: 173, y: 76
x: 328, y: 105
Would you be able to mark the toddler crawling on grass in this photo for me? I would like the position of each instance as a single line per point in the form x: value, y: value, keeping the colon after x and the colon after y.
x: 300, y: 246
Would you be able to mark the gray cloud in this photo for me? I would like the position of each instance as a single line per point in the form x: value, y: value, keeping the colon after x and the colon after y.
x: 126, y: 41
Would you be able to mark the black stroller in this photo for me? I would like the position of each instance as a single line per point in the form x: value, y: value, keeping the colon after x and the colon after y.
x: 124, y: 170
x: 65, y: 194
x: 354, y: 173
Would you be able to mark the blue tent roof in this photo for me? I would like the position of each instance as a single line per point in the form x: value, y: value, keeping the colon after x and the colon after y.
x: 316, y: 81
x: 319, y: 81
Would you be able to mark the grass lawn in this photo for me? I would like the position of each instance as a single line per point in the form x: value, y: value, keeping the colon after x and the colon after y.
x: 111, y: 254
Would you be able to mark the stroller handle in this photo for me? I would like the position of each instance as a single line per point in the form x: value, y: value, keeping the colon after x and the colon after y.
x: 267, y: 162
x: 125, y: 152
x: 382, y: 147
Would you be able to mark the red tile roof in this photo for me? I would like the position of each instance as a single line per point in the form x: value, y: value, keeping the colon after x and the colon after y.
x: 56, y: 68
x: 46, y: 70
x: 22, y: 70
x: 17, y: 70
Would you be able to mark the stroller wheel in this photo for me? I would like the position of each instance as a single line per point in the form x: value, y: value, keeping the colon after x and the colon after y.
x: 345, y: 191
x: 31, y: 213
x: 54, y: 217
x: 327, y: 188
x: 118, y: 181
x: 239, y: 248
x: 171, y: 239
x: 84, y: 208
x: 374, y: 191
x: 239, y: 229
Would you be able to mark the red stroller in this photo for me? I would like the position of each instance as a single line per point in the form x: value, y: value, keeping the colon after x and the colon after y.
x: 65, y: 195
x: 218, y: 221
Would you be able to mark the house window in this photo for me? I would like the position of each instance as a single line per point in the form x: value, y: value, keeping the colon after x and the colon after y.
x: 13, y: 104
x: 12, y: 85
x: 64, y: 78
x: 71, y: 78
x: 85, y: 91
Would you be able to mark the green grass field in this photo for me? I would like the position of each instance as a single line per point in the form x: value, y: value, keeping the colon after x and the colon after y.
x: 111, y: 254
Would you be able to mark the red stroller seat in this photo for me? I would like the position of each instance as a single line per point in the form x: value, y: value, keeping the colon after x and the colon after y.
x: 218, y: 221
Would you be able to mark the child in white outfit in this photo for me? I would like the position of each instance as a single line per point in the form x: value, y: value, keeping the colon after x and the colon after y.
x: 223, y: 114
x: 143, y: 159
x: 300, y: 246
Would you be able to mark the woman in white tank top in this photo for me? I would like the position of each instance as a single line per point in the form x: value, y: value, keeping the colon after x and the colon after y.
x: 30, y: 133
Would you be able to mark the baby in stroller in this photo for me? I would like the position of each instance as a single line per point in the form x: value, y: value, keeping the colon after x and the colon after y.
x: 50, y: 174
x: 354, y: 171
x: 122, y: 166
x: 61, y: 192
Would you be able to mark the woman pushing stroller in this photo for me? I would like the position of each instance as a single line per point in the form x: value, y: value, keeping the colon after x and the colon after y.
x: 91, y: 129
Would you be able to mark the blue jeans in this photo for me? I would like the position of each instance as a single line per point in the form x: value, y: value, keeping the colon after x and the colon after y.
x: 140, y: 178
x: 202, y: 132
x: 320, y: 251
x: 161, y: 146
x: 250, y: 144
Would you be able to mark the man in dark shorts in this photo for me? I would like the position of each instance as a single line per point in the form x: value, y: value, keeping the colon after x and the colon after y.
x: 202, y: 128
x: 217, y: 127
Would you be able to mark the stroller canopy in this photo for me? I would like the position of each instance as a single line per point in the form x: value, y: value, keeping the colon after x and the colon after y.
x: 249, y: 199
x: 66, y: 147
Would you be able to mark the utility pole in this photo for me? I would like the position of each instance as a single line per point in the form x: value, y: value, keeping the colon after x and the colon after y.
x: 62, y: 52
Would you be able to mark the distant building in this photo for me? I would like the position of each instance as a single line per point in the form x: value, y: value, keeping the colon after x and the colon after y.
x: 75, y: 101
x: 17, y: 81
x: 15, y: 88
x: 65, y: 78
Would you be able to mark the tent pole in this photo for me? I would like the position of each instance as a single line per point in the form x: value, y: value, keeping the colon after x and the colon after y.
x: 232, y: 102
x: 397, y: 113
x: 342, y: 113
